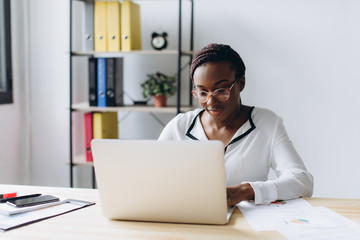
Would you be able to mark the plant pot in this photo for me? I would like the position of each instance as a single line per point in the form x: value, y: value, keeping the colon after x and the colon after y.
x: 160, y: 101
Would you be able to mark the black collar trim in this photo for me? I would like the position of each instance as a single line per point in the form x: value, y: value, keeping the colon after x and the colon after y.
x: 192, y: 126
x: 234, y: 140
x: 245, y: 133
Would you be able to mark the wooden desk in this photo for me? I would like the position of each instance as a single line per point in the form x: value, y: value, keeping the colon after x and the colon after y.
x: 88, y: 223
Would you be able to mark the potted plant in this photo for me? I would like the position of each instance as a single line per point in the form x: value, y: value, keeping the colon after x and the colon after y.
x: 160, y: 86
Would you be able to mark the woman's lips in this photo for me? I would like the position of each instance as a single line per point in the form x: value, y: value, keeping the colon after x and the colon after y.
x: 215, y: 111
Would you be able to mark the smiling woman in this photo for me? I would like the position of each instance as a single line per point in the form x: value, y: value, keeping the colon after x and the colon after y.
x: 5, y: 54
x: 255, y: 138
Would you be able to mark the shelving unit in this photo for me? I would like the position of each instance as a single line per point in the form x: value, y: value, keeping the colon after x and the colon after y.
x: 84, y: 106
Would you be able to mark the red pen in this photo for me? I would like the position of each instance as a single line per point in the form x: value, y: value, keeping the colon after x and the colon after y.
x: 8, y: 195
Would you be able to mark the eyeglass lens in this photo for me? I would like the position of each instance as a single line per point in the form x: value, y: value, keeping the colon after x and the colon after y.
x: 221, y: 94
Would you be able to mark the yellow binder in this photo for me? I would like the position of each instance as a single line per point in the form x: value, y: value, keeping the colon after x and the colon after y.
x: 105, y: 125
x: 130, y: 26
x: 100, y: 40
x: 113, y: 26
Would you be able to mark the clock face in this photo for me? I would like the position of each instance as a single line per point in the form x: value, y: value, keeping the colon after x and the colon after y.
x: 158, y: 41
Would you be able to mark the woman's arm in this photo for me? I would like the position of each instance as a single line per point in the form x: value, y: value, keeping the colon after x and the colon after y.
x: 293, y: 180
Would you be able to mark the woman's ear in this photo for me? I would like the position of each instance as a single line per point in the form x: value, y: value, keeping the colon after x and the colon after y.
x: 242, y: 83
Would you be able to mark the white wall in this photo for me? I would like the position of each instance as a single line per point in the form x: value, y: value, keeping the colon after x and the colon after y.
x: 49, y: 94
x: 34, y: 130
x: 301, y: 59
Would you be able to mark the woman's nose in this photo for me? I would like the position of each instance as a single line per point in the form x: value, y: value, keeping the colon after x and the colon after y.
x: 211, y: 99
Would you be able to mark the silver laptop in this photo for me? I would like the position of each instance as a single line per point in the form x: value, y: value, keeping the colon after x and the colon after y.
x: 161, y: 181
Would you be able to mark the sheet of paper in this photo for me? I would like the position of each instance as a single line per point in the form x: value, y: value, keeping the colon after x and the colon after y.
x: 298, y: 220
x: 230, y: 211
x: 269, y: 217
x: 341, y: 228
x: 322, y: 233
x: 13, y: 221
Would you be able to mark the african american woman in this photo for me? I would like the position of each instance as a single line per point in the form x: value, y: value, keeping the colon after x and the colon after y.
x: 255, y: 139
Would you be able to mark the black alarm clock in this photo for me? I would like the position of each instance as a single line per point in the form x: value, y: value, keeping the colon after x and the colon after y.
x: 159, y: 41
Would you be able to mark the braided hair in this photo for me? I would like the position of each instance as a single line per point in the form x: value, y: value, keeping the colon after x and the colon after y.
x: 218, y: 53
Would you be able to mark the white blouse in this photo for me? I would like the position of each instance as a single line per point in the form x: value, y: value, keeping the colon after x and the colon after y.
x: 259, y: 144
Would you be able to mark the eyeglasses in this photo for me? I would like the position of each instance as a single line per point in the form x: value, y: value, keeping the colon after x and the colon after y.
x: 221, y: 94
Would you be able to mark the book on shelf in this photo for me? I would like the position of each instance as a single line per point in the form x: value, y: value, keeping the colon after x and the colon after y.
x: 105, y: 125
x: 92, y: 82
x: 100, y: 40
x: 88, y: 135
x: 88, y: 26
x: 119, y: 82
x: 110, y: 82
x: 101, y: 82
x: 114, y: 82
x: 130, y: 26
x: 113, y: 26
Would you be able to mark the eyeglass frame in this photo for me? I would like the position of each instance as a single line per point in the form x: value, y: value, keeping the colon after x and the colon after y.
x: 208, y: 94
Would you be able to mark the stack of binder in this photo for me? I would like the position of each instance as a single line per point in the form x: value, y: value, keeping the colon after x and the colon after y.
x: 106, y: 82
x: 116, y: 26
x: 99, y: 126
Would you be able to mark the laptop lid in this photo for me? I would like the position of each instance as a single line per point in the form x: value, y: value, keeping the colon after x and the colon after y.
x: 162, y: 181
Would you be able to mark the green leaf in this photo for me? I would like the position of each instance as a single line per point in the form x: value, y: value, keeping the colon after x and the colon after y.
x: 158, y: 84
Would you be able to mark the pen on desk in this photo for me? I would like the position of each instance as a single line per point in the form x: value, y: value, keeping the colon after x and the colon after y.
x: 3, y: 200
x: 8, y: 195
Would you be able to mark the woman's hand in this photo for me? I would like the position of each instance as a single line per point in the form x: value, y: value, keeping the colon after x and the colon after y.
x: 238, y: 193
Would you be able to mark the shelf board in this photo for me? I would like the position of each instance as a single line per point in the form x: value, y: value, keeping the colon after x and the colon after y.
x: 84, y: 106
x: 122, y: 54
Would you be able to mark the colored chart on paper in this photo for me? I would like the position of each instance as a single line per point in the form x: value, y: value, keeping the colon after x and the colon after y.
x: 300, y: 221
x: 279, y: 214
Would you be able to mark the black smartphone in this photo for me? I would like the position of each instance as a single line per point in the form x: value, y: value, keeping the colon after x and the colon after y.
x: 27, y: 202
